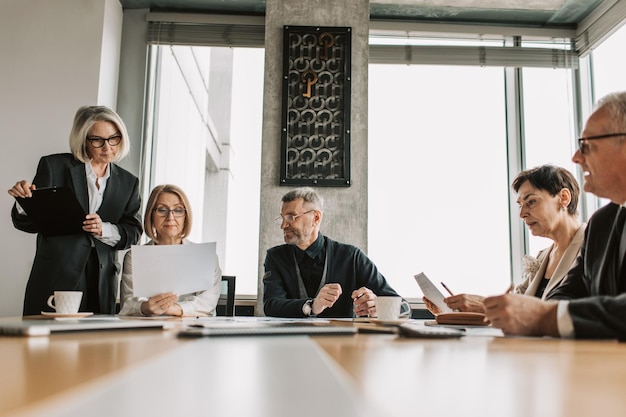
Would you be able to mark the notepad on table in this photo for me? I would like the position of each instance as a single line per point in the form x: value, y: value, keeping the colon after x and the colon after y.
x: 461, y: 318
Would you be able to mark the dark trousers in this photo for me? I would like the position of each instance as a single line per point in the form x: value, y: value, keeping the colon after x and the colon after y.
x: 89, y: 286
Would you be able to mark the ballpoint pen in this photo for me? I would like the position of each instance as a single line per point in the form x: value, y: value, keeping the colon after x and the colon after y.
x: 447, y: 289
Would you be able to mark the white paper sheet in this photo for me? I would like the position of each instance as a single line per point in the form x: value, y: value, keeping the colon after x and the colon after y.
x: 432, y: 293
x: 181, y: 269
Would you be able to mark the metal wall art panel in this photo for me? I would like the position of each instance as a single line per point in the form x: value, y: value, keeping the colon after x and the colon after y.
x: 315, y: 139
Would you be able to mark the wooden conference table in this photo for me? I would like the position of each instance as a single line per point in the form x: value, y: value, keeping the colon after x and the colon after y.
x: 152, y: 372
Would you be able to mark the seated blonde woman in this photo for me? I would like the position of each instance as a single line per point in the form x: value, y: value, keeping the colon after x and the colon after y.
x: 167, y: 221
x: 548, y: 204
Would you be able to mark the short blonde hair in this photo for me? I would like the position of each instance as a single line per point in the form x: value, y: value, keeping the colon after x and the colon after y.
x: 84, y: 120
x: 151, y: 205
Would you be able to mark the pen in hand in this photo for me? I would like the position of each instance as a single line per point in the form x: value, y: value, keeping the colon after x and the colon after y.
x: 508, y: 291
x: 447, y: 289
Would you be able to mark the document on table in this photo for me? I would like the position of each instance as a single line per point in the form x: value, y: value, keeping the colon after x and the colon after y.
x: 181, y: 269
x: 432, y: 293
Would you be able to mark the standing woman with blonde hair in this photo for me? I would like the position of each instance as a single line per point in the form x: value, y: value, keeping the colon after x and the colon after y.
x: 84, y: 261
x: 167, y: 221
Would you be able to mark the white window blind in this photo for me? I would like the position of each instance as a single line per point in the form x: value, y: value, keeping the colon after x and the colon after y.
x: 473, y: 55
x: 206, y: 30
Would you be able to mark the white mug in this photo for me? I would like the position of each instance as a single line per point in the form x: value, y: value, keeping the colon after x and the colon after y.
x: 65, y: 302
x: 390, y: 308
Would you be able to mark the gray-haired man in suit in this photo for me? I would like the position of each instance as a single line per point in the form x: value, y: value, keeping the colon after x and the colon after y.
x: 591, y: 303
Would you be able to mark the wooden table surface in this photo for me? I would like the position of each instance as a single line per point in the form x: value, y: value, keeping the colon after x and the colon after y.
x: 388, y: 375
x: 485, y: 376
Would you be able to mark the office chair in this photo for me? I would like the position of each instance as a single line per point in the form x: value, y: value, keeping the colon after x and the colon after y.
x: 226, y: 302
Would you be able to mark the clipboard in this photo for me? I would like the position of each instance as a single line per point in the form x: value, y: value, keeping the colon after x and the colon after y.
x: 54, y: 210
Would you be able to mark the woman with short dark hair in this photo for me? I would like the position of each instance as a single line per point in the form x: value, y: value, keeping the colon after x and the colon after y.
x: 548, y: 202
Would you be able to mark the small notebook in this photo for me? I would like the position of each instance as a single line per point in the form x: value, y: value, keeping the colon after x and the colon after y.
x: 54, y: 210
x: 462, y: 318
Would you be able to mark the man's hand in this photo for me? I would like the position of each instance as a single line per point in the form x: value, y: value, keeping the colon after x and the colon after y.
x: 522, y: 315
x: 326, y: 298
x: 364, y: 302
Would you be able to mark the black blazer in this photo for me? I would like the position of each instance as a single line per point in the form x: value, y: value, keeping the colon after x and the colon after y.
x: 347, y: 266
x: 598, y: 303
x: 60, y: 260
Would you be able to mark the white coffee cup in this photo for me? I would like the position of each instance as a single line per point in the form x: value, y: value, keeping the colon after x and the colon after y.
x: 65, y: 302
x: 390, y: 308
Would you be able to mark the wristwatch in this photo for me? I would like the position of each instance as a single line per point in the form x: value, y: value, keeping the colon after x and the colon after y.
x: 307, y: 308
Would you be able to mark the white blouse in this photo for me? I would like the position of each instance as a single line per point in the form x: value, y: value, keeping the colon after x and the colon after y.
x: 196, y: 304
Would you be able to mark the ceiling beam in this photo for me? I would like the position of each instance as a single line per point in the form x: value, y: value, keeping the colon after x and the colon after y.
x: 601, y: 23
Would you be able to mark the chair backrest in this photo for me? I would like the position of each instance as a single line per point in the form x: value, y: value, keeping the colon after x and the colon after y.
x: 226, y: 303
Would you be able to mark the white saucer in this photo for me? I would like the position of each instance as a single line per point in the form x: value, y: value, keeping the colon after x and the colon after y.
x: 59, y: 315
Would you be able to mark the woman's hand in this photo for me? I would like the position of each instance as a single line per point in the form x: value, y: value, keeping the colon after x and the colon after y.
x: 162, y: 304
x: 430, y: 306
x: 466, y: 302
x: 22, y: 189
x: 93, y: 224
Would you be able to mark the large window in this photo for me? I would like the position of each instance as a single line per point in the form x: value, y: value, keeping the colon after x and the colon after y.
x: 548, y: 126
x: 444, y: 143
x: 608, y: 65
x: 204, y: 135
x: 438, y: 177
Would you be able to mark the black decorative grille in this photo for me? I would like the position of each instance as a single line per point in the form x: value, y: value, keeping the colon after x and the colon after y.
x: 315, y: 140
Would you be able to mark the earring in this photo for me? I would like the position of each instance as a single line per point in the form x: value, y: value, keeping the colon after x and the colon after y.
x: 562, y: 208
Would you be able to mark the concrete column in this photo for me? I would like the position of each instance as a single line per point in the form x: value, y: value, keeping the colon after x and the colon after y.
x: 345, y: 214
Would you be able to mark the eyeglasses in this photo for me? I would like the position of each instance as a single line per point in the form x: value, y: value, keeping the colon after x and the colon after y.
x: 289, y: 218
x: 583, y: 146
x: 164, y: 212
x: 97, y: 142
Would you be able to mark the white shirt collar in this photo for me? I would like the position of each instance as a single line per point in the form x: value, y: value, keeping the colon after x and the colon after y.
x: 92, y: 174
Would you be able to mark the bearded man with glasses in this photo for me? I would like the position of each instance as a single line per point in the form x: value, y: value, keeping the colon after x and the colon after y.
x: 313, y: 275
x: 591, y: 302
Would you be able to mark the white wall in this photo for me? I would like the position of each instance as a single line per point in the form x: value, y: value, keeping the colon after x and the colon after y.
x: 54, y: 57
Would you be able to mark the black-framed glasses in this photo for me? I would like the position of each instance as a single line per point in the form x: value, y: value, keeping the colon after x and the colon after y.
x: 98, y: 142
x: 164, y: 211
x: 583, y: 146
x: 290, y: 218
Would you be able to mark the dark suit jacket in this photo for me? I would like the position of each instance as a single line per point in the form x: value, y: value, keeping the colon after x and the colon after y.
x: 347, y: 265
x: 60, y: 260
x: 598, y: 304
